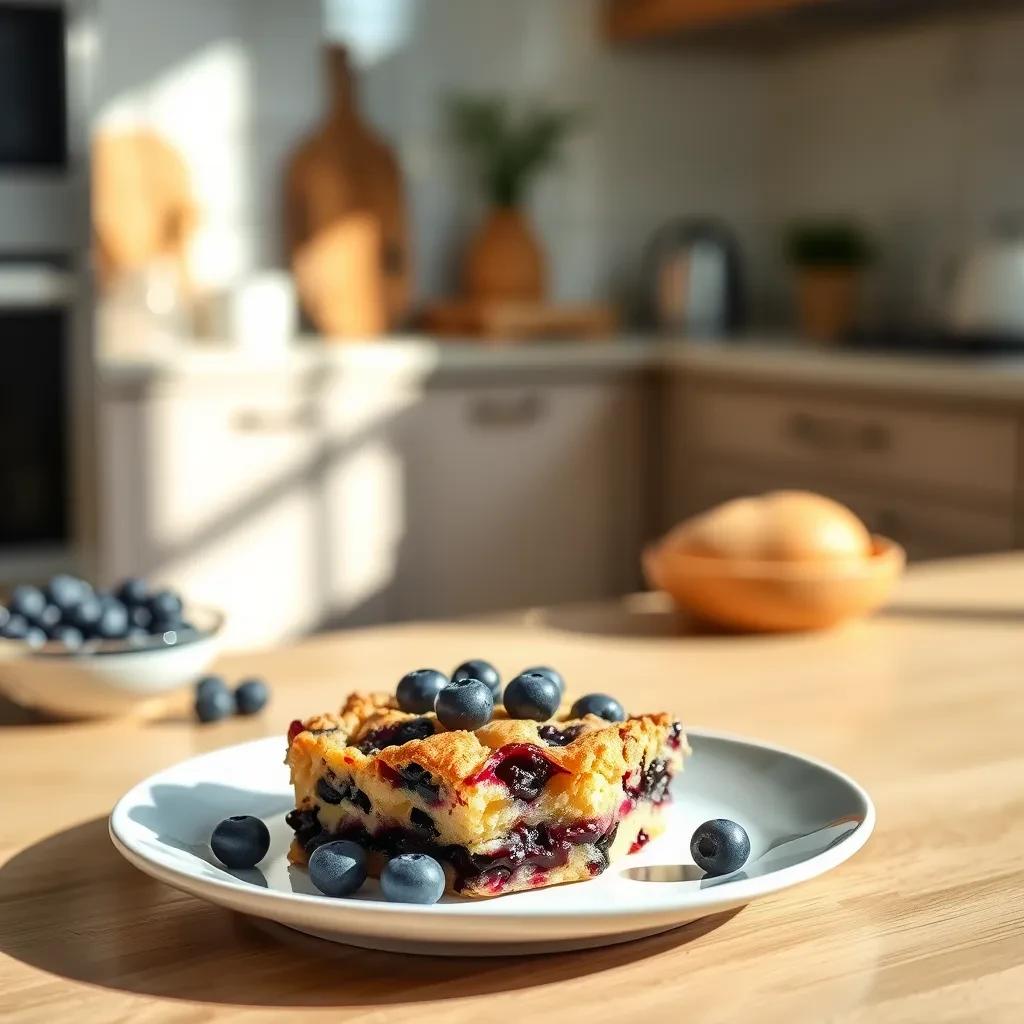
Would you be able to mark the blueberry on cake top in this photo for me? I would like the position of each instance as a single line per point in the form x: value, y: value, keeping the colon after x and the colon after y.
x: 514, y: 804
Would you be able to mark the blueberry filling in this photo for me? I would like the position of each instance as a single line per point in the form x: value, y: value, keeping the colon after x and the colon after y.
x: 540, y: 847
x: 416, y: 778
x: 306, y: 826
x: 555, y: 737
x: 649, y: 783
x: 423, y: 820
x: 524, y: 769
x: 328, y: 793
x: 331, y: 792
x: 360, y: 799
x: 675, y: 736
x: 396, y: 735
x: 642, y: 839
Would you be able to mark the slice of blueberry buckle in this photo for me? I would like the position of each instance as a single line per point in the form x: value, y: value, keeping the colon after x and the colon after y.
x: 502, y: 803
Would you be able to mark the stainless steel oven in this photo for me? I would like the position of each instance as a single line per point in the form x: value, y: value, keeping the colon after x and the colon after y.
x: 47, y: 54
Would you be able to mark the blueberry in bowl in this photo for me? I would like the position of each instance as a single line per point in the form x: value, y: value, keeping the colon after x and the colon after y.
x: 72, y: 652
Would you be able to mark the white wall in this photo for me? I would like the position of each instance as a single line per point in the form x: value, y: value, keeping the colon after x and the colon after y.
x: 235, y: 83
x: 918, y: 131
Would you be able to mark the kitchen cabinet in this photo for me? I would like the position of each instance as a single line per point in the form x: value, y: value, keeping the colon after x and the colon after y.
x: 937, y: 477
x: 212, y: 489
x: 521, y: 494
x: 302, y: 500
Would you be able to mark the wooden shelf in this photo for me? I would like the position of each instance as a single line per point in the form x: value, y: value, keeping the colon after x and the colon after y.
x: 772, y: 23
x: 635, y: 20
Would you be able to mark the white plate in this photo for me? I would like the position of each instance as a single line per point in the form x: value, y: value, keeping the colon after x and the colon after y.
x: 803, y: 818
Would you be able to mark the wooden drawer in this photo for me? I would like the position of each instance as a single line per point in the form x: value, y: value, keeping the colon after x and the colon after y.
x: 867, y: 441
x: 927, y: 529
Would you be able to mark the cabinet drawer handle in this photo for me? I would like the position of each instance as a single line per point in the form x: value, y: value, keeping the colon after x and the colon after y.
x: 814, y: 431
x: 875, y: 437
x: 274, y: 421
x: 830, y: 435
x: 504, y: 411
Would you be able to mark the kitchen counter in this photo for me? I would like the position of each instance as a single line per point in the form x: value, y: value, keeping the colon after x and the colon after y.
x: 923, y: 705
x: 417, y: 358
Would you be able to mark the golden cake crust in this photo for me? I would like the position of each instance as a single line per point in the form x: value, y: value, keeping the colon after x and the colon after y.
x: 599, y: 747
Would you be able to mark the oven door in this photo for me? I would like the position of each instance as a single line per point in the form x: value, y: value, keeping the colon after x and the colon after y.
x: 33, y: 93
x: 35, y: 322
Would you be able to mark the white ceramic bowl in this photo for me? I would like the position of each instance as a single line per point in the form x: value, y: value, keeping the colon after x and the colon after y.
x: 109, y: 677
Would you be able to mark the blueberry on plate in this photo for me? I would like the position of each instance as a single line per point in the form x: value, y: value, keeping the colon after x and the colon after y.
x: 251, y: 696
x: 15, y: 628
x: 49, y: 617
x: 418, y: 689
x: 545, y: 670
x: 214, y: 704
x: 27, y: 601
x: 66, y: 591
x: 467, y: 704
x: 69, y: 636
x: 166, y: 608
x: 36, y: 636
x: 412, y: 878
x: 477, y: 668
x: 599, y: 704
x: 113, y: 621
x: 140, y: 616
x: 132, y: 591
x: 720, y: 847
x: 533, y: 696
x: 207, y: 684
x: 241, y: 841
x: 86, y: 614
x: 338, y: 868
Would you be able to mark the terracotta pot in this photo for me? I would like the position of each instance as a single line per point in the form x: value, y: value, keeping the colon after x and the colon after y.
x: 504, y: 260
x: 827, y: 299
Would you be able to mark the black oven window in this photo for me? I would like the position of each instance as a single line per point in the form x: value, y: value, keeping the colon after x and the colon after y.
x: 33, y: 112
x: 33, y: 399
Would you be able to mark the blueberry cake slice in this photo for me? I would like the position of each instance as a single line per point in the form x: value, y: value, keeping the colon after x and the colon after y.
x: 513, y: 805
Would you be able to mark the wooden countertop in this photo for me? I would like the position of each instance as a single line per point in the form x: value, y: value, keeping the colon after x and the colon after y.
x: 924, y: 705
x: 414, y: 360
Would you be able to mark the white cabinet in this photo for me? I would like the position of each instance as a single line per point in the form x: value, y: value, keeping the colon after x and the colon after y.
x: 212, y: 489
x: 359, y: 497
x: 520, y: 495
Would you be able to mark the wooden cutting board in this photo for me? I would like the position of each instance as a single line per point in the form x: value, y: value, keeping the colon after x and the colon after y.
x: 143, y: 209
x: 345, y: 220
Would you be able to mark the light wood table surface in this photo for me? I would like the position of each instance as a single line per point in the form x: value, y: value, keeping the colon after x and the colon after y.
x: 924, y: 705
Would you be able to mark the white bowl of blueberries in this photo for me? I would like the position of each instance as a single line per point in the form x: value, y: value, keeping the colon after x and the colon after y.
x: 75, y: 652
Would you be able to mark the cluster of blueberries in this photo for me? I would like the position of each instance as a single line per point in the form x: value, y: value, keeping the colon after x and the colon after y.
x: 467, y: 700
x: 216, y: 700
x: 70, y: 612
x: 336, y: 869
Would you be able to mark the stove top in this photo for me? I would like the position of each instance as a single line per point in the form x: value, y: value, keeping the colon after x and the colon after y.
x: 938, y: 343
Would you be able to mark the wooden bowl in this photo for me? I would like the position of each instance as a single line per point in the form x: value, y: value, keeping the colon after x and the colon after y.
x: 776, y: 596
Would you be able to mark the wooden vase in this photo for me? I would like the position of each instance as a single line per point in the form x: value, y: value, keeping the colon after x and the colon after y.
x: 504, y: 261
x: 827, y: 300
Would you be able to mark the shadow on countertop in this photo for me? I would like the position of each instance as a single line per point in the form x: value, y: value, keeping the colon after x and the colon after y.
x: 71, y: 906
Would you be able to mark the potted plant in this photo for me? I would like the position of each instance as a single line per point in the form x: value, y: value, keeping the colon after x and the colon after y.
x: 507, y: 149
x: 829, y: 258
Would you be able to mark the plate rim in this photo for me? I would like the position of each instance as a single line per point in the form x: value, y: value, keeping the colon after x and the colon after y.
x: 706, y: 901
